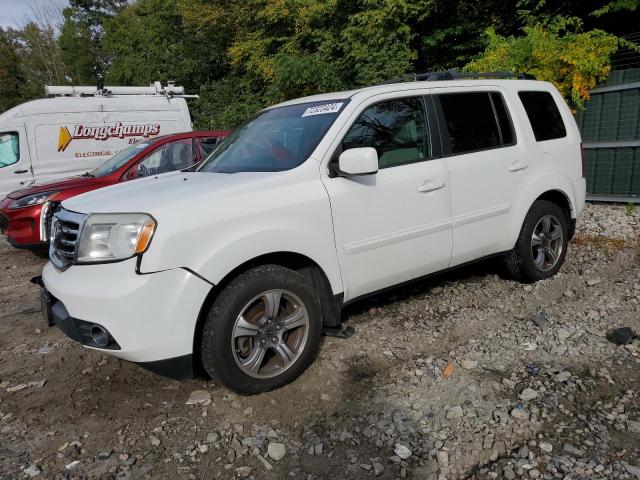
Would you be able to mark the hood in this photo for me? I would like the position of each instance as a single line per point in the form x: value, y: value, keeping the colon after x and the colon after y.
x: 58, y: 185
x: 173, y: 191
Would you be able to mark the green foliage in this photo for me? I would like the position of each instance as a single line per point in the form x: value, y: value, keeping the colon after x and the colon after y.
x: 226, y: 103
x: 10, y: 73
x: 561, y: 53
x: 80, y: 38
x: 242, y: 55
x: 40, y: 61
x: 77, y: 48
x: 148, y: 41
x: 617, y: 6
x: 376, y: 41
x: 630, y: 208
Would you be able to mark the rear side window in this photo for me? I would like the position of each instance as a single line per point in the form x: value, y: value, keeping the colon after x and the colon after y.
x: 544, y: 115
x: 504, y: 119
x: 397, y: 129
x: 207, y: 145
x: 169, y: 157
x: 470, y: 122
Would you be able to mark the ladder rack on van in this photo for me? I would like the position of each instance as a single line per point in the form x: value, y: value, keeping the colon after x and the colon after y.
x: 455, y: 74
x: 156, y: 88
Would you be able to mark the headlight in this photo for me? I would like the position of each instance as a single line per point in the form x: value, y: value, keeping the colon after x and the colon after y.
x: 30, y: 200
x: 108, y: 237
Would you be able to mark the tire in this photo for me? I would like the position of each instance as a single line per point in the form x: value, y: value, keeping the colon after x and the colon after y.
x: 41, y: 253
x: 288, y: 340
x: 524, y: 262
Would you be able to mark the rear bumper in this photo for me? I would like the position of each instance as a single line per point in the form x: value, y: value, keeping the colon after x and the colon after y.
x: 580, y: 192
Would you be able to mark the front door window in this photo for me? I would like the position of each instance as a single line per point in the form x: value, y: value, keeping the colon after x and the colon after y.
x: 397, y: 129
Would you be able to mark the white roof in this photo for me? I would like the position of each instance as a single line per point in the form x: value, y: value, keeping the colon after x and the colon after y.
x: 420, y: 85
x: 48, y: 106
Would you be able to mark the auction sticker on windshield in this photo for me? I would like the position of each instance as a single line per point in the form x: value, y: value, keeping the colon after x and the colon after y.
x: 321, y: 109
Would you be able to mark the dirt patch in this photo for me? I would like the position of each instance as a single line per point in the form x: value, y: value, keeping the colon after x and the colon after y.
x: 375, y: 405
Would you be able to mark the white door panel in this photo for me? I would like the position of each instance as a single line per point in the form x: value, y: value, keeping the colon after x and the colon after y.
x: 482, y: 189
x: 15, y: 170
x: 393, y: 226
x: 387, y: 230
x: 485, y: 180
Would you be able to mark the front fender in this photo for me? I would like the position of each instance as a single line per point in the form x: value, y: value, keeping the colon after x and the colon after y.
x: 226, y: 258
x: 214, y: 238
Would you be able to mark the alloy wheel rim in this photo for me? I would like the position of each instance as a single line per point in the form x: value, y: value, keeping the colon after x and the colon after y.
x: 270, y: 333
x: 547, y: 242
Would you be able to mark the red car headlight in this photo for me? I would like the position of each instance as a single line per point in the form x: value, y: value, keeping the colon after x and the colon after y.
x: 31, y: 200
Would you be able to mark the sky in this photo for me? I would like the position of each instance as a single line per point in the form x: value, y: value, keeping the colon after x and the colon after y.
x: 15, y: 12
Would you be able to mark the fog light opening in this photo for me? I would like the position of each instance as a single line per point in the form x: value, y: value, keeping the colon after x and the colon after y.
x: 99, y: 336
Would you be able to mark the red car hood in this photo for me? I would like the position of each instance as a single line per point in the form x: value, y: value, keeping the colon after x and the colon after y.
x: 59, y: 185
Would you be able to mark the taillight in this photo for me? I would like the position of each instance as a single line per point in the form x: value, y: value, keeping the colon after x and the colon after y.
x: 582, y: 158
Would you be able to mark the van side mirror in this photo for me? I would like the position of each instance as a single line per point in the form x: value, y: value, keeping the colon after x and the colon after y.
x: 358, y: 161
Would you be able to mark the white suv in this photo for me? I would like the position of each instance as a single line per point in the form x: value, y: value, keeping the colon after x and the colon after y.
x: 310, y: 205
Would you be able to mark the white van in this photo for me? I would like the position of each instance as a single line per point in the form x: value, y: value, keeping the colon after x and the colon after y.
x: 80, y: 127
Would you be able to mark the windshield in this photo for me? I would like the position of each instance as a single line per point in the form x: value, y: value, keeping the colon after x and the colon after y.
x: 274, y: 140
x: 119, y: 159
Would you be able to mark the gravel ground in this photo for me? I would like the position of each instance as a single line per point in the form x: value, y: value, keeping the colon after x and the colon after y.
x: 467, y: 375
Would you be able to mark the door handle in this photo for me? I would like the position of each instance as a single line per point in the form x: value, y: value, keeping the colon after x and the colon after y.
x: 21, y: 171
x: 516, y: 167
x: 429, y: 186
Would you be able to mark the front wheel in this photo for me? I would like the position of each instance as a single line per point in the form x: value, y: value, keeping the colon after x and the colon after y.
x: 542, y: 244
x: 262, y: 331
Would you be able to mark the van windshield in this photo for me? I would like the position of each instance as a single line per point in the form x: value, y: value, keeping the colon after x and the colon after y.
x: 119, y: 159
x: 274, y: 140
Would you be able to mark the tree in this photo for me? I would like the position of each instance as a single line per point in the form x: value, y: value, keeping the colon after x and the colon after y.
x: 77, y: 48
x: 40, y: 59
x: 148, y: 41
x: 80, y: 37
x: 575, y: 61
x: 10, y: 73
x: 280, y: 49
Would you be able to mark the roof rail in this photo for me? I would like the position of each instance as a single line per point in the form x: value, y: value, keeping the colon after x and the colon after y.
x: 156, y: 88
x: 455, y: 74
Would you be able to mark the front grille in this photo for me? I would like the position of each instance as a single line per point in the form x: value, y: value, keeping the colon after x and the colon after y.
x: 65, y: 232
x: 4, y: 223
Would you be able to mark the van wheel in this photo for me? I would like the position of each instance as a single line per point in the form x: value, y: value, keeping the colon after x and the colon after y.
x: 262, y: 331
x: 542, y: 244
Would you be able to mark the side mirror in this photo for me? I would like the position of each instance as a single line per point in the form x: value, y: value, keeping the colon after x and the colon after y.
x: 358, y: 161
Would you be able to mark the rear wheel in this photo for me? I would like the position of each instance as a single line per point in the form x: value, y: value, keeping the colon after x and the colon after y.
x: 262, y: 331
x: 542, y: 244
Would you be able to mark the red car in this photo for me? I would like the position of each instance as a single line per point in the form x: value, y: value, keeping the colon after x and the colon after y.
x: 25, y: 214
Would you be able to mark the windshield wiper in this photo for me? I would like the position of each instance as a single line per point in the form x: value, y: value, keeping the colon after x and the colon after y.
x: 87, y: 175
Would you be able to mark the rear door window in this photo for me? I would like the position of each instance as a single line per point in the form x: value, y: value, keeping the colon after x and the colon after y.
x: 397, y: 129
x: 207, y: 145
x: 504, y: 119
x: 474, y: 121
x: 544, y: 115
x: 470, y: 124
x: 167, y: 158
x: 9, y: 149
